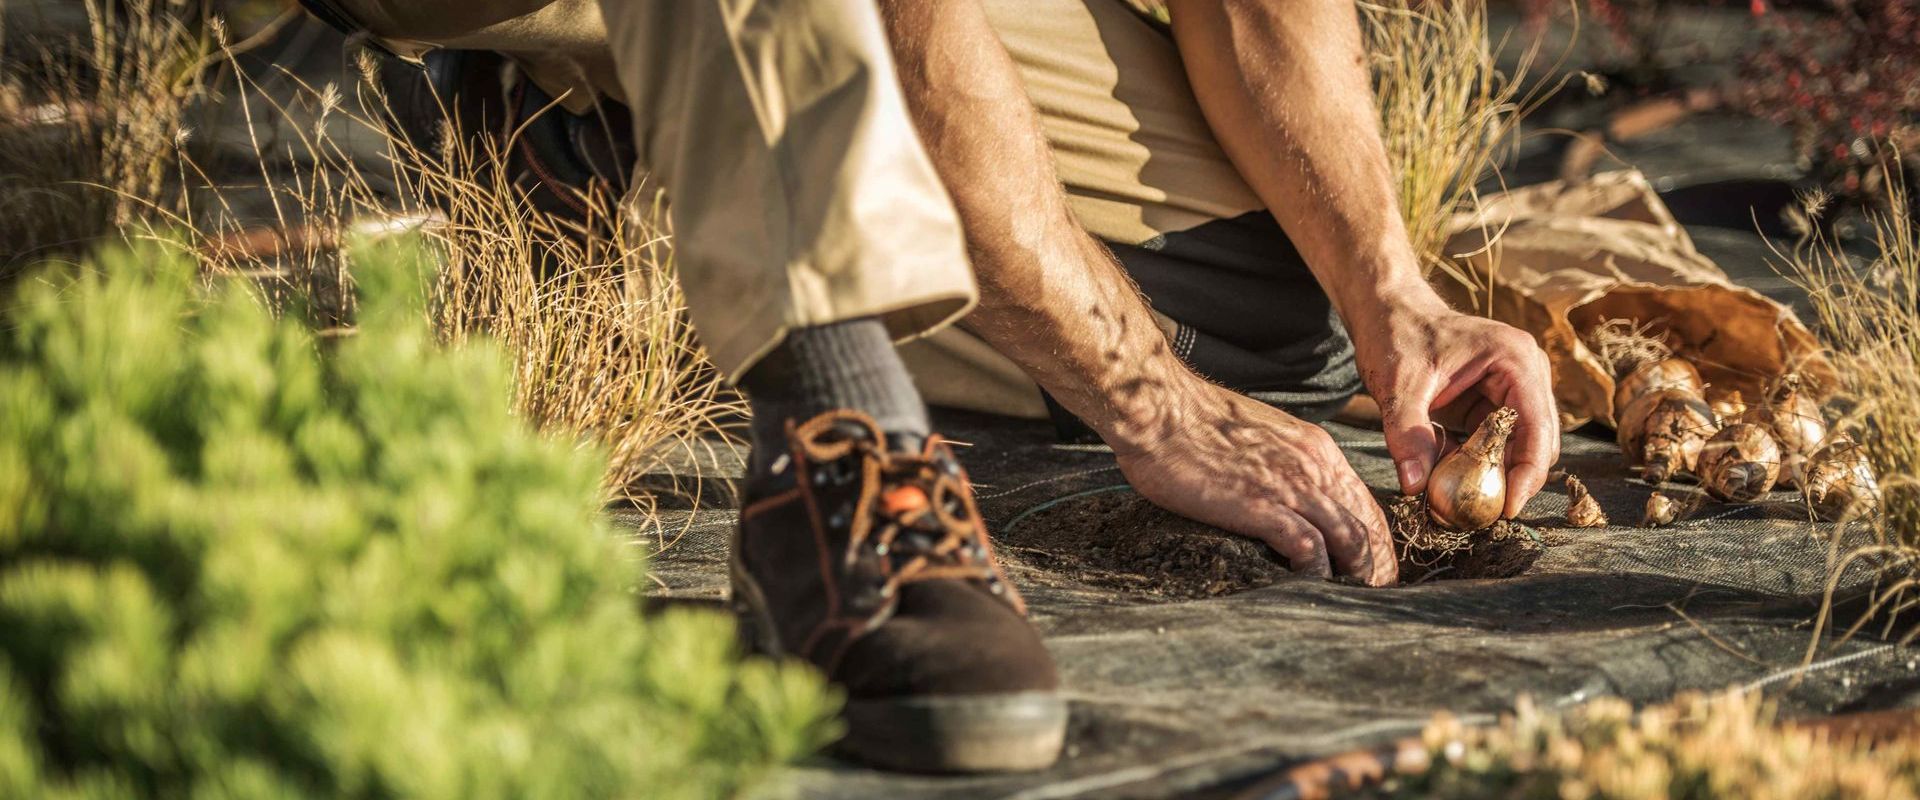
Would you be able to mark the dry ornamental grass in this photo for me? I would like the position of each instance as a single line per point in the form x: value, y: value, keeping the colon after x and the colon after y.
x: 89, y: 127
x: 1446, y: 112
x: 1868, y: 310
x: 590, y: 310
x: 94, y: 146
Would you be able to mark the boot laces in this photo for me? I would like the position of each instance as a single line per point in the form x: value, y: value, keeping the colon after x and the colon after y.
x: 917, y: 523
x: 924, y: 528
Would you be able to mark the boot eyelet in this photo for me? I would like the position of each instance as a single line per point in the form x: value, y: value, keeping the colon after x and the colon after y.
x: 837, y: 473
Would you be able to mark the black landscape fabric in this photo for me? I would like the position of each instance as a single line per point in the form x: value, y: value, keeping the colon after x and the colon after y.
x: 1197, y: 666
x: 1174, y: 695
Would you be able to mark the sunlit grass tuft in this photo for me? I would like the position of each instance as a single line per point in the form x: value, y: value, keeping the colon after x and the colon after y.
x: 1867, y: 310
x: 95, y: 147
x: 1446, y: 111
x: 588, y: 307
x: 89, y: 126
x: 1449, y: 116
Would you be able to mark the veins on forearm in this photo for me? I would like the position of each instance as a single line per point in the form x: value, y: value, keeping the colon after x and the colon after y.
x: 1052, y: 298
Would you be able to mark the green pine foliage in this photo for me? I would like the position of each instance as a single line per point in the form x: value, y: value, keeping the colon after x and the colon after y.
x: 239, y: 562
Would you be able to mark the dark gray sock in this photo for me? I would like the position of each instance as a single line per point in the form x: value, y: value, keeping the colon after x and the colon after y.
x: 840, y: 365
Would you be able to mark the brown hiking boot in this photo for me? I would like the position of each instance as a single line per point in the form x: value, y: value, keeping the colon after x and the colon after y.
x: 872, y: 563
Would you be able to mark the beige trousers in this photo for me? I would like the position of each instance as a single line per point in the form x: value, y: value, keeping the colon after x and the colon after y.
x: 799, y: 193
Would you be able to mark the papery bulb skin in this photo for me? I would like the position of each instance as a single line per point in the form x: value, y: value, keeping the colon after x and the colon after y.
x: 1582, y: 510
x: 1840, y: 483
x: 1664, y: 431
x: 1661, y: 511
x: 1468, y: 488
x: 1653, y: 376
x: 1729, y: 408
x: 1740, y: 463
x: 1793, y: 416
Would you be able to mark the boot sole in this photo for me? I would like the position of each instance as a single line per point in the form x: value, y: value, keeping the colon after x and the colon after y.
x: 1012, y: 732
x: 1009, y: 732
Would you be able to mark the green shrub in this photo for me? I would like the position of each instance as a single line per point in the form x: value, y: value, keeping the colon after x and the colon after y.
x: 238, y: 562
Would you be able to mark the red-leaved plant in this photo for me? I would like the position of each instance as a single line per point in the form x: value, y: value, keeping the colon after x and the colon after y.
x: 1845, y: 82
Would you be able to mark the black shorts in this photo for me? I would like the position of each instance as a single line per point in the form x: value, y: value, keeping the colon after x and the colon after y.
x: 1248, y: 315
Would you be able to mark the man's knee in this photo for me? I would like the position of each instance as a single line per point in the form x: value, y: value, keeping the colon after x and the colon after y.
x: 560, y: 44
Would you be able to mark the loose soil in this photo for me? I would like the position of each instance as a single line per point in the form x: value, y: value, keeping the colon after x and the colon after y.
x: 1501, y: 550
x: 1119, y: 540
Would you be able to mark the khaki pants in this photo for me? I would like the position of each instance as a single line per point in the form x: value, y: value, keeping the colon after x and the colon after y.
x: 799, y: 192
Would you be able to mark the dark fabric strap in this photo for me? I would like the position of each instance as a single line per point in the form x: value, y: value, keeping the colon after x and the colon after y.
x: 1247, y: 314
x: 338, y: 19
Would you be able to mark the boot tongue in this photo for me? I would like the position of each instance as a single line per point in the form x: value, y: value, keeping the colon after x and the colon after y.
x: 907, y: 443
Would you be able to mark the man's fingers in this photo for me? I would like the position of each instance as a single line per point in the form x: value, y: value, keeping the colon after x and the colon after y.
x: 1536, y: 439
x: 1477, y: 412
x: 1292, y: 536
x: 1357, y: 501
x: 1381, y: 567
x: 1524, y: 480
x: 1355, y: 530
x: 1410, y: 438
x: 1348, y: 545
x: 1386, y: 563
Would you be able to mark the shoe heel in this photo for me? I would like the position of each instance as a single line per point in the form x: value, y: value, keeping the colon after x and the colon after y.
x: 753, y: 621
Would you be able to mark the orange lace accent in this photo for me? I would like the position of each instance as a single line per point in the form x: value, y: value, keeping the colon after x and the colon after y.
x: 913, y: 512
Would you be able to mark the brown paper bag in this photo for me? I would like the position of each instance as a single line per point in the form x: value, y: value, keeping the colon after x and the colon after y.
x: 1561, y: 259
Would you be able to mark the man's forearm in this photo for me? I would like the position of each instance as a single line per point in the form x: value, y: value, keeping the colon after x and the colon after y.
x: 1054, y: 300
x: 1052, y: 297
x: 1284, y: 85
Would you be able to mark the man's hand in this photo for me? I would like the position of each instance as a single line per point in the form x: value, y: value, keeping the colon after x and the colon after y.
x: 1285, y: 87
x: 1235, y: 463
x: 1054, y: 301
x: 1425, y: 362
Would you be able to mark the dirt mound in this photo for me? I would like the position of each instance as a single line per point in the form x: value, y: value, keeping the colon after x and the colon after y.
x: 1120, y: 540
x: 1501, y: 550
